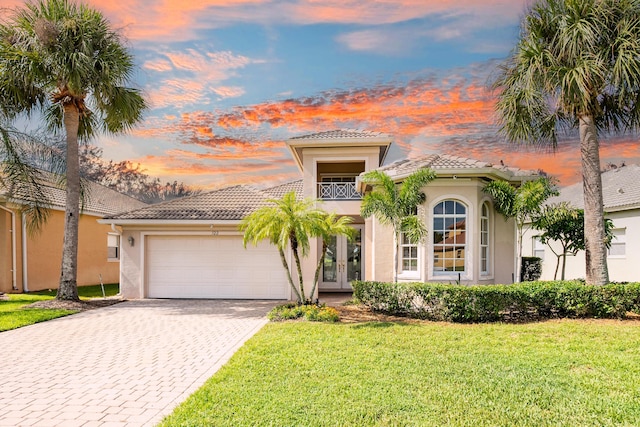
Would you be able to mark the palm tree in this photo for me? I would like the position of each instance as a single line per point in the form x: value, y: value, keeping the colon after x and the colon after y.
x: 520, y: 204
x: 332, y: 225
x: 64, y: 61
x: 396, y: 205
x: 18, y: 152
x: 291, y: 222
x: 575, y: 66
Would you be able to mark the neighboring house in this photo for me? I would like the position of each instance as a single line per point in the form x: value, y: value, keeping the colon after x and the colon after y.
x: 192, y: 248
x: 31, y: 262
x: 621, y: 194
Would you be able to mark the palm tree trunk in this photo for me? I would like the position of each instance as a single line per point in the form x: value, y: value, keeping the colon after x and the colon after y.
x: 68, y: 287
x: 396, y: 243
x: 316, y: 277
x: 296, y: 256
x: 286, y: 267
x: 594, y: 233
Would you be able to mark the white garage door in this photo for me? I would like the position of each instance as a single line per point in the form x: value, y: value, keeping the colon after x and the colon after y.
x: 213, y: 267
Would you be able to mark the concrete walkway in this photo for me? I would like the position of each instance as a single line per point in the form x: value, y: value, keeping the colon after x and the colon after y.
x: 129, y: 364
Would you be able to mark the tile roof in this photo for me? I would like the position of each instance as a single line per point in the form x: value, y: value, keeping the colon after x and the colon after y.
x: 447, y: 162
x: 620, y: 190
x: 342, y: 134
x: 100, y: 200
x: 231, y: 203
x: 279, y: 191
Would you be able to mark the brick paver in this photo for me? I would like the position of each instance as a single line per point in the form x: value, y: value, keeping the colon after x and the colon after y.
x: 125, y: 365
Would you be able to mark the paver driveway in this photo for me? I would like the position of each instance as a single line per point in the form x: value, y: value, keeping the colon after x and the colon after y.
x: 129, y: 364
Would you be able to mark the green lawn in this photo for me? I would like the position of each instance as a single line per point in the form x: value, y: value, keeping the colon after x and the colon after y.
x: 556, y: 373
x: 13, y: 314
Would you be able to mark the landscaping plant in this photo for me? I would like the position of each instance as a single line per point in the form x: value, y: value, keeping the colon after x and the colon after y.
x: 575, y: 66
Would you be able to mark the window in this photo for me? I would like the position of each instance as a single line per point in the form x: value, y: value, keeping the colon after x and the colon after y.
x: 618, y: 243
x: 408, y: 254
x: 449, y: 237
x: 113, y: 247
x: 484, y: 239
x: 538, y: 247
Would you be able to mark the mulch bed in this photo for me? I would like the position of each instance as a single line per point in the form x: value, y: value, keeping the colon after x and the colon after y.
x: 361, y: 314
x: 83, y: 305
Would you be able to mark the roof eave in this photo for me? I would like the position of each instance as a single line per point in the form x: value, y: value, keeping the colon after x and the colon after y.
x: 116, y: 221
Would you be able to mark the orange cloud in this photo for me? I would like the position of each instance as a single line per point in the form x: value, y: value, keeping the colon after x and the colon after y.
x: 178, y: 21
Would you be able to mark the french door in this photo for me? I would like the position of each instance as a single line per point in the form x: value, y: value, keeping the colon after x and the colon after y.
x: 343, y: 262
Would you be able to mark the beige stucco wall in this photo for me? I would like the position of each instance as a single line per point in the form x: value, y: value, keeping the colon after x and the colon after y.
x: 621, y: 268
x: 6, y: 265
x: 469, y: 193
x: 44, y: 253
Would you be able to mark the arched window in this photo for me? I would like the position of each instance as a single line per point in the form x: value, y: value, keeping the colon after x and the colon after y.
x: 484, y: 240
x: 449, y: 237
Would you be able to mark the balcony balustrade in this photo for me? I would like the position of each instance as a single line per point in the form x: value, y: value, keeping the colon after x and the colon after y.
x: 338, y: 191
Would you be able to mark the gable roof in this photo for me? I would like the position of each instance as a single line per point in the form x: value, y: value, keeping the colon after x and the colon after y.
x: 444, y: 164
x: 620, y: 190
x: 225, y: 204
x: 99, y: 201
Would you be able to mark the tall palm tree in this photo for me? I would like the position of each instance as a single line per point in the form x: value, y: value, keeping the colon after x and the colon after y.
x: 396, y: 205
x: 63, y: 60
x: 575, y: 66
x: 520, y: 204
x: 291, y: 222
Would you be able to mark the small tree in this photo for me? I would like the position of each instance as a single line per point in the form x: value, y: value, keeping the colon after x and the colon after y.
x: 396, y: 205
x: 565, y: 224
x: 291, y: 222
x: 520, y: 204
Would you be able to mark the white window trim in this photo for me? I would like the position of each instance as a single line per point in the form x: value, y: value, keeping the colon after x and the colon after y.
x: 119, y: 250
x: 470, y: 242
x: 535, y: 241
x: 409, y: 274
x: 489, y: 272
x: 618, y: 242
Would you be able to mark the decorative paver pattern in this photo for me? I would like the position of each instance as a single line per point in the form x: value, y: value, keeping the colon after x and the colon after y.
x: 129, y: 364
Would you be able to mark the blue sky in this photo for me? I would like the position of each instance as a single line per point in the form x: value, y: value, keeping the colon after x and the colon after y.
x: 229, y: 81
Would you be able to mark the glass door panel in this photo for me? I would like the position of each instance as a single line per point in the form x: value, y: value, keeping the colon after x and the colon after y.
x: 354, y: 258
x: 330, y: 263
x: 343, y: 262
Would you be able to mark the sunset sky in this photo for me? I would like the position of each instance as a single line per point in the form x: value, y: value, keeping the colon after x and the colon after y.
x: 229, y: 81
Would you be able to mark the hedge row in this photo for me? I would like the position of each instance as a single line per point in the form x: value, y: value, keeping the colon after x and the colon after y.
x: 489, y: 303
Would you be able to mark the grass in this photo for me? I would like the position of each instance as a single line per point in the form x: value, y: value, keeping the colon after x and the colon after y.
x: 13, y: 314
x: 556, y: 373
x: 93, y: 291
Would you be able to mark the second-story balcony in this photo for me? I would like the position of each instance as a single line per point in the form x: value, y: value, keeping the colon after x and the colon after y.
x: 338, y: 191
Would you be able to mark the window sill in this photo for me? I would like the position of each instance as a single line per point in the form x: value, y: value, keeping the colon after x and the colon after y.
x: 409, y: 277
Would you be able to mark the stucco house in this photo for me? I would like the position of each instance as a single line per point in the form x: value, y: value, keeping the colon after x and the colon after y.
x: 31, y: 262
x: 621, y: 194
x: 192, y: 248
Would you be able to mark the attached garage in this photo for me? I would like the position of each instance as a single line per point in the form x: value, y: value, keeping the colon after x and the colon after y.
x: 212, y: 267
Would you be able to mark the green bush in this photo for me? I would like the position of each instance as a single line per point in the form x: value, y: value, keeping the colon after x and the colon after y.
x: 490, y: 303
x: 312, y: 312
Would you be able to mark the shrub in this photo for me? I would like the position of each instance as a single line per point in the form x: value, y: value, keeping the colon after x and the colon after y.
x: 312, y: 312
x: 531, y: 269
x: 489, y: 303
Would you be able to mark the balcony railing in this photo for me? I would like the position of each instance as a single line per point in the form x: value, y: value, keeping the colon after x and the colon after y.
x: 338, y: 191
